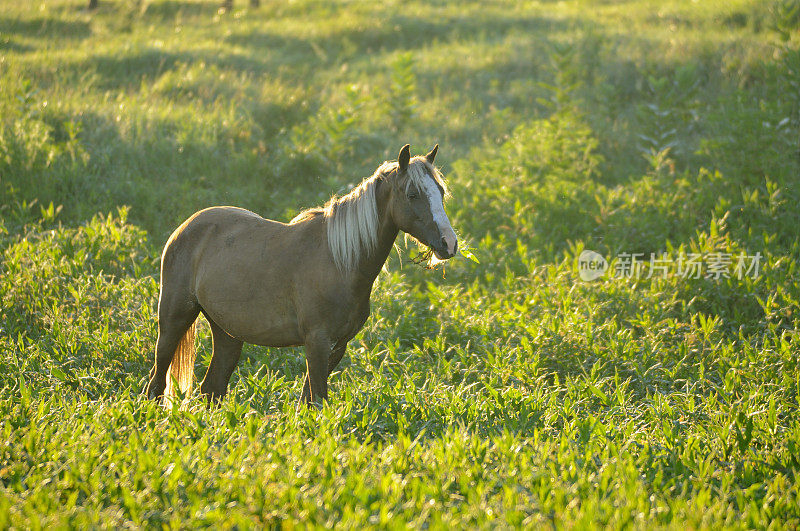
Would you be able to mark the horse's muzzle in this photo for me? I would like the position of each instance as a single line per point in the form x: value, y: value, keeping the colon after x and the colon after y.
x: 443, y: 251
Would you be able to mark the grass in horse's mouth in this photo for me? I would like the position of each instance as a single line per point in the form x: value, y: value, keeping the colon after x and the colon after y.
x: 424, y: 258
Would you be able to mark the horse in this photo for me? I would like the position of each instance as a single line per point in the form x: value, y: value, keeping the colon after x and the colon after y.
x: 303, y: 283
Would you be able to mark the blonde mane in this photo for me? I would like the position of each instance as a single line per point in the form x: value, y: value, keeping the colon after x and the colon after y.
x: 352, y: 220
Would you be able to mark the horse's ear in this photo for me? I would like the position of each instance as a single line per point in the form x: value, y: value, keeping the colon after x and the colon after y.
x: 404, y: 157
x: 432, y: 155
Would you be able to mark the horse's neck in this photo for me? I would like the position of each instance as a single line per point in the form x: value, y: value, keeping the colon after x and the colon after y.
x: 370, y: 266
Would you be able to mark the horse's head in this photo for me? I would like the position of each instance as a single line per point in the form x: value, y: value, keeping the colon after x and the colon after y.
x: 417, y: 203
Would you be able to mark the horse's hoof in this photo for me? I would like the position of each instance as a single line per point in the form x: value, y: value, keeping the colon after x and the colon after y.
x: 153, y: 394
x: 305, y: 403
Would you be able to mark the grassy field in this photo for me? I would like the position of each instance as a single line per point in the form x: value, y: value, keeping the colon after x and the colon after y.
x: 507, y: 392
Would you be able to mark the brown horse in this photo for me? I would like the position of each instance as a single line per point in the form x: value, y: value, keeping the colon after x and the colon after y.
x: 307, y: 282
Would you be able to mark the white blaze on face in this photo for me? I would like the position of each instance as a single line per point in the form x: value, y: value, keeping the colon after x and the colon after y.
x: 434, y: 196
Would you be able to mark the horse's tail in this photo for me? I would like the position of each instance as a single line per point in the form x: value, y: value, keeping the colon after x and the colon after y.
x: 182, y: 367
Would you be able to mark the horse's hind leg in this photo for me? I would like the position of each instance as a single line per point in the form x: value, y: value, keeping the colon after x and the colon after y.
x: 173, y: 322
x: 224, y: 358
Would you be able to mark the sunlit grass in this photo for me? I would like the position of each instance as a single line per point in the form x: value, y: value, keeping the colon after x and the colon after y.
x: 498, y: 392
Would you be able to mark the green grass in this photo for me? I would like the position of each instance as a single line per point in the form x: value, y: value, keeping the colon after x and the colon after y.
x: 501, y: 393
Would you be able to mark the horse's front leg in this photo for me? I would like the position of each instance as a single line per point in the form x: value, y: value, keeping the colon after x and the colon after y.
x: 334, y: 359
x: 318, y: 355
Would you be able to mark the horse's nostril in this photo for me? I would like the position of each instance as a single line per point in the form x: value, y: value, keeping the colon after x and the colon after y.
x: 444, y: 242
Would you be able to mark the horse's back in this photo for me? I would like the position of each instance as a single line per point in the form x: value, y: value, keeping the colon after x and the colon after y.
x: 228, y: 216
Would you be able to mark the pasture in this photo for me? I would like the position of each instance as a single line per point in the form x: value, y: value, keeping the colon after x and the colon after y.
x: 502, y: 391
